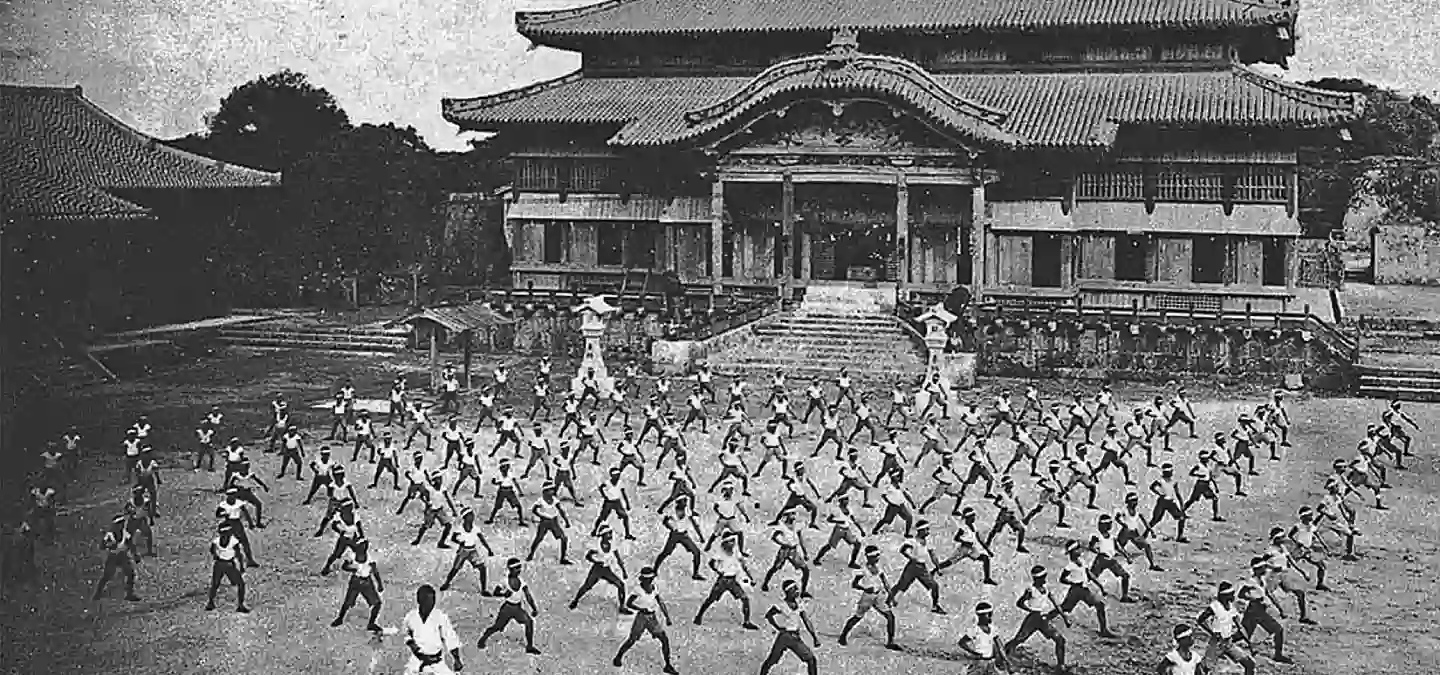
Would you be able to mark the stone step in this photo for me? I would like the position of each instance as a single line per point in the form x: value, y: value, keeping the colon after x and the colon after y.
x: 327, y: 344
x: 1426, y: 395
x: 833, y: 322
x: 801, y: 365
x: 841, y: 345
x: 865, y: 334
x: 338, y: 331
x: 1384, y: 381
x: 1382, y: 372
x: 765, y: 368
x: 1394, y: 344
x: 328, y: 350
x: 315, y: 335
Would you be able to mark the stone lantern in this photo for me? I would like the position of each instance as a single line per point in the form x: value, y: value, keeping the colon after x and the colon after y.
x: 937, y: 322
x: 593, y: 314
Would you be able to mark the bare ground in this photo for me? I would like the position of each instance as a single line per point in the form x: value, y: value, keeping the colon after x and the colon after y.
x: 1381, y: 618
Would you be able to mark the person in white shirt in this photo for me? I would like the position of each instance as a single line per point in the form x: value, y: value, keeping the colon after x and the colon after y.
x: 873, y: 587
x: 606, y: 566
x: 1183, y: 659
x: 1040, y: 611
x: 646, y: 604
x: 787, y: 617
x: 791, y: 552
x: 120, y: 556
x: 205, y: 446
x: 842, y: 389
x: 514, y: 591
x: 982, y: 644
x: 550, y: 520
x: 365, y: 582
x: 1222, y: 621
x: 339, y: 418
x: 680, y: 525
x: 429, y: 635
x: 732, y: 576
x: 225, y: 550
x: 449, y: 392
x: 468, y: 541
x: 695, y: 405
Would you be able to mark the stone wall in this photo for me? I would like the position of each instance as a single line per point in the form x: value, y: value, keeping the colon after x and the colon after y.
x: 1406, y: 254
x: 538, y: 331
x: 679, y: 356
x: 1154, y: 353
x: 1319, y: 263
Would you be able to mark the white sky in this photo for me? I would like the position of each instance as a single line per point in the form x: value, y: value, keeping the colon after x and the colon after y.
x: 161, y: 64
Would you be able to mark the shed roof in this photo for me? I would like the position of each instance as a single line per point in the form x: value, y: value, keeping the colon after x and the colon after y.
x: 460, y: 318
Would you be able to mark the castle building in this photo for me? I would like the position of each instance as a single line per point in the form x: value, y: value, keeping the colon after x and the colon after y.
x: 1047, y: 151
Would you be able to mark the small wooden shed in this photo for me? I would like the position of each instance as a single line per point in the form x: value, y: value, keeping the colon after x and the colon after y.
x: 461, y: 320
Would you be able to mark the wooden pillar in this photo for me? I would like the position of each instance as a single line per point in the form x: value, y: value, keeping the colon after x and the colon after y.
x: 979, y: 239
x: 902, y: 228
x: 1292, y: 262
x: 469, y: 337
x: 805, y: 248
x: 717, y: 234
x: 1067, y: 260
x: 787, y: 229
x: 435, y: 359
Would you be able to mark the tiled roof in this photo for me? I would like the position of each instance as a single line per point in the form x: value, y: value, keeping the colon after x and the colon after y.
x: 459, y: 318
x: 79, y: 149
x: 1061, y: 109
x: 617, y: 17
x: 31, y: 190
x: 847, y: 71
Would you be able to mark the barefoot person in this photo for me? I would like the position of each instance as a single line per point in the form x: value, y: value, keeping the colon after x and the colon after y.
x: 514, y: 591
x: 787, y: 617
x: 874, y: 589
x: 646, y: 603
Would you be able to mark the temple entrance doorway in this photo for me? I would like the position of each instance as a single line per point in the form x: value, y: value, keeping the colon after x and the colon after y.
x: 849, y: 232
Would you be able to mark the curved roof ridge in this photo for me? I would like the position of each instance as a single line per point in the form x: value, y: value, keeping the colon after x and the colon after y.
x: 532, y: 18
x: 1324, y: 98
x: 851, y: 69
x: 788, y: 68
x: 452, y: 106
x: 158, y: 144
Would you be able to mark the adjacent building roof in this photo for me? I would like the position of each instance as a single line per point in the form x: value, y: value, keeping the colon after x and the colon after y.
x: 1040, y: 110
x: 65, y: 157
x: 32, y: 190
x: 651, y: 17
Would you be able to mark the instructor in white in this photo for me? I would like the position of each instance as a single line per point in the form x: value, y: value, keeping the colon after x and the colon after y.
x: 429, y: 635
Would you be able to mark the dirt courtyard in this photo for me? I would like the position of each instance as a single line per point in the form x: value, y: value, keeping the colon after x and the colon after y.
x: 1382, y: 617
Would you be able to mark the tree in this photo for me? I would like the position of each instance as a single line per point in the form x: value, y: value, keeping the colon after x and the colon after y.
x: 273, y: 121
x: 369, y: 198
x: 1392, y: 125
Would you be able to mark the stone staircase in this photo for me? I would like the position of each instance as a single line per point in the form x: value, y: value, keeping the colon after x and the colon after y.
x: 368, y: 340
x: 834, y: 327
x: 1400, y: 359
x: 1406, y: 384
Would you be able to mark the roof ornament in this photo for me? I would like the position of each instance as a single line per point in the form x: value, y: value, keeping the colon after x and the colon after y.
x: 844, y: 46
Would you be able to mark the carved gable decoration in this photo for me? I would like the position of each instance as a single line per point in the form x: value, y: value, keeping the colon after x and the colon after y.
x: 861, y: 126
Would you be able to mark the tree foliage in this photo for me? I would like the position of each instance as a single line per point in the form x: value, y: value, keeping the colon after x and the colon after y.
x: 273, y: 121
x: 1392, y: 126
x: 358, y: 201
